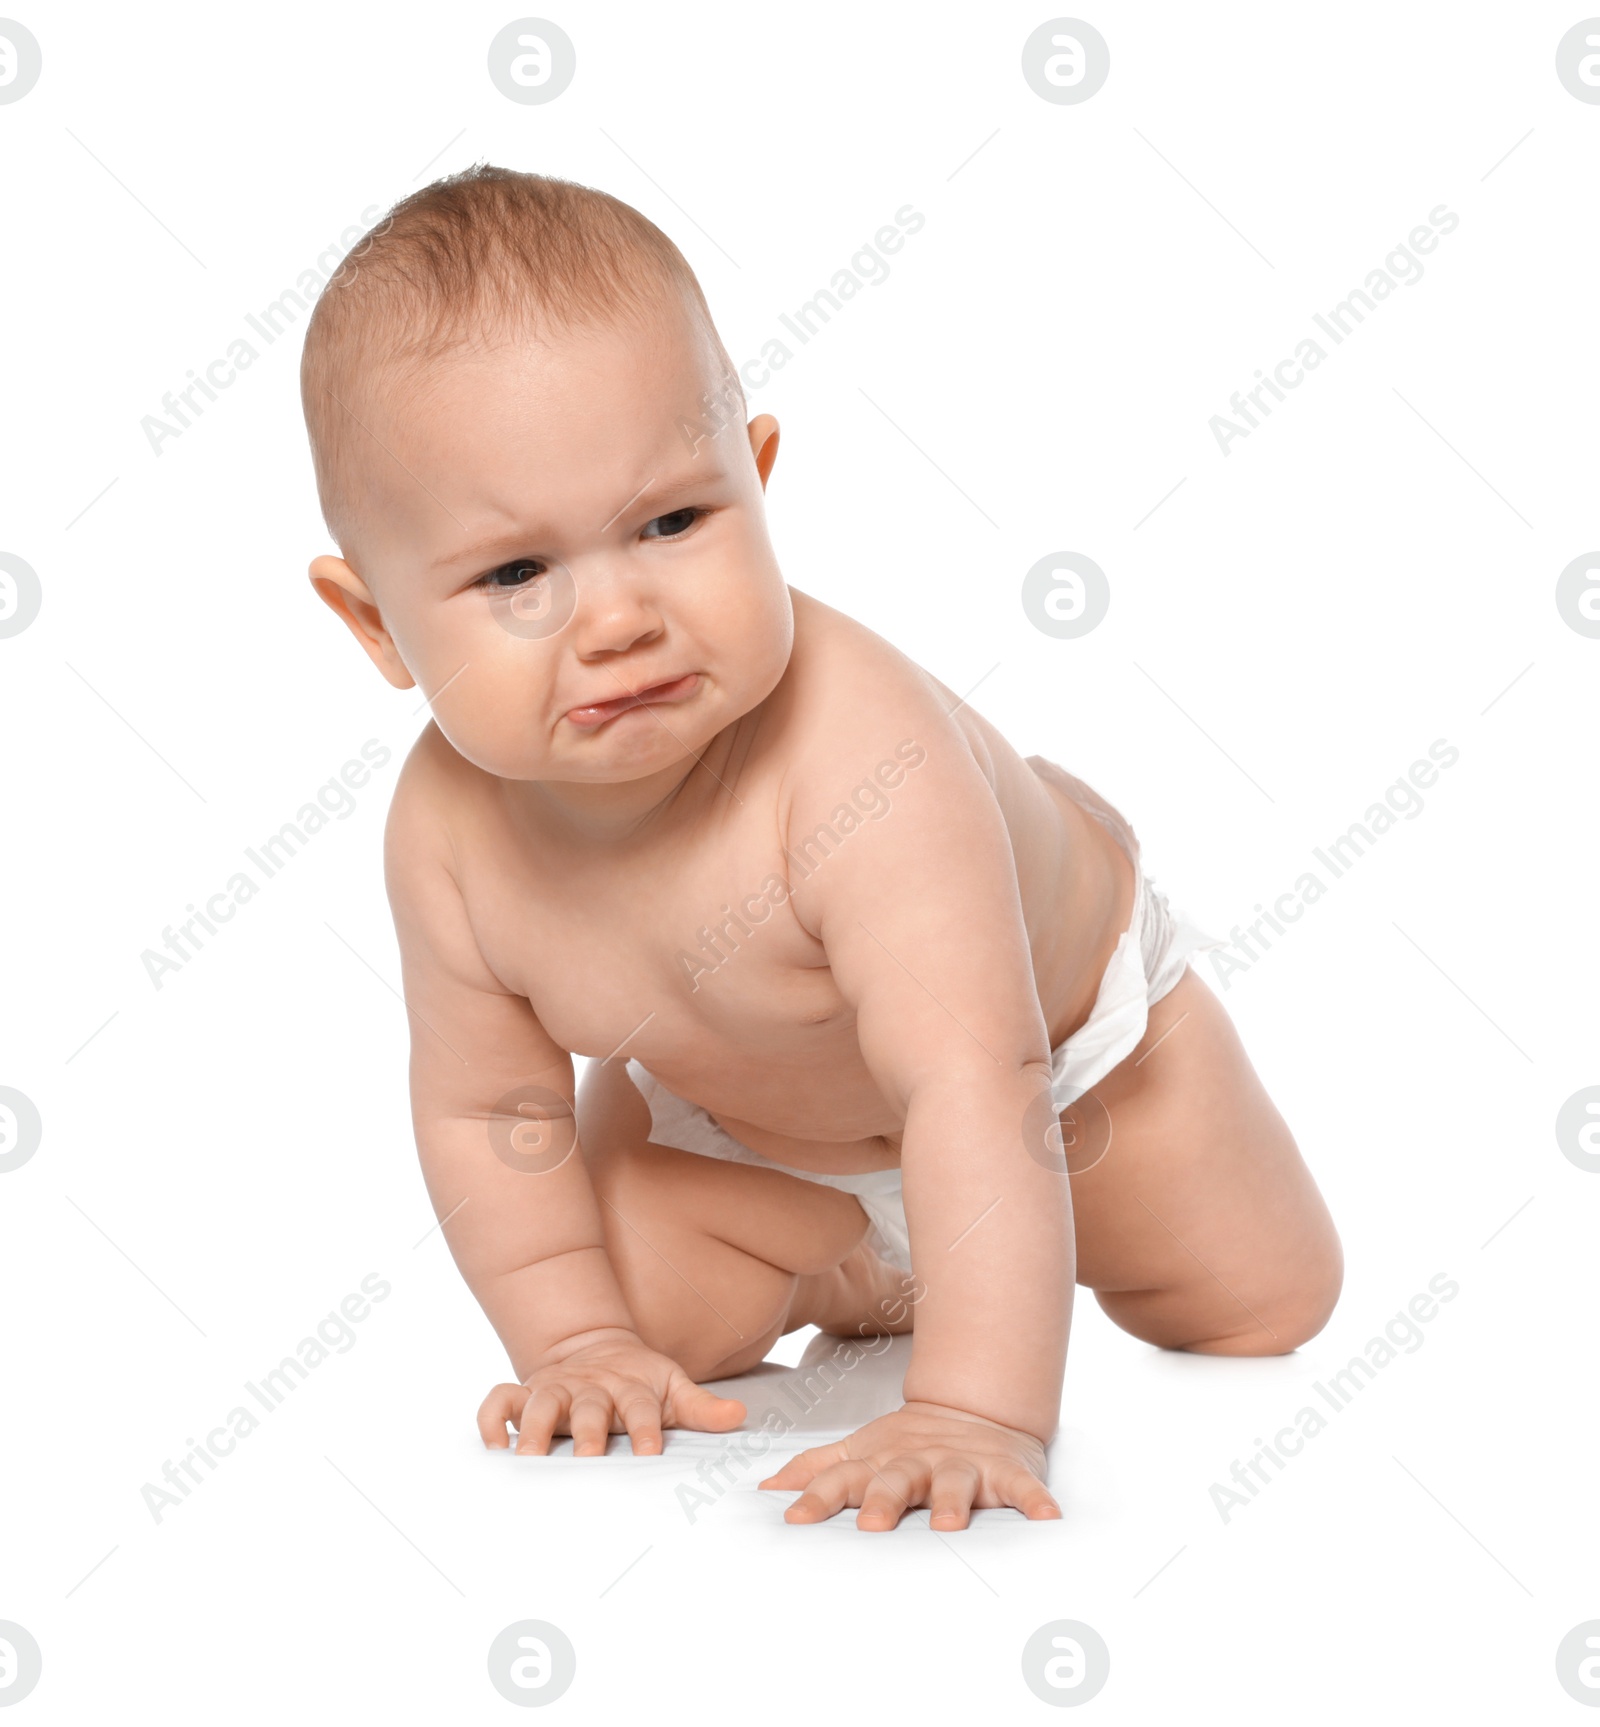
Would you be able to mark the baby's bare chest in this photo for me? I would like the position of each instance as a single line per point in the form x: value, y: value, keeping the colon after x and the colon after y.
x: 693, y: 954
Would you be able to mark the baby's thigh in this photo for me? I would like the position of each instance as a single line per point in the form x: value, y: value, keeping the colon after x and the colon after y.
x: 709, y: 1254
x: 1200, y: 1226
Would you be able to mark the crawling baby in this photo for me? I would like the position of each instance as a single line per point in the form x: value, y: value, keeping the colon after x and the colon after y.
x: 887, y: 1029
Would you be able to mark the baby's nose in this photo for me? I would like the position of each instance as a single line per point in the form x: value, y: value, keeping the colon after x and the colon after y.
x: 612, y: 615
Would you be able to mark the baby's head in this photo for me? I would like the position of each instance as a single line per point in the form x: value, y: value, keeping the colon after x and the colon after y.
x: 530, y: 446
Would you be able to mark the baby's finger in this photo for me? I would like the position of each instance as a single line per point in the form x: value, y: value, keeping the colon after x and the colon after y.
x: 691, y: 1405
x: 640, y: 1414
x: 955, y: 1485
x: 590, y: 1422
x: 503, y: 1404
x: 545, y: 1409
x: 1022, y: 1488
x: 831, y: 1491
x: 799, y: 1471
x: 892, y: 1491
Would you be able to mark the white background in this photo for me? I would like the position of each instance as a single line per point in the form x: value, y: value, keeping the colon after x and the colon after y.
x: 225, y: 1158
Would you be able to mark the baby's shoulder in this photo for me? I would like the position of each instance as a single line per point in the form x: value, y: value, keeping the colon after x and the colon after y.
x: 431, y: 788
x: 858, y: 702
x: 844, y: 676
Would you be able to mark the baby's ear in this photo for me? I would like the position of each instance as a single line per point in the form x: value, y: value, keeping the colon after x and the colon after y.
x: 764, y: 444
x: 342, y: 589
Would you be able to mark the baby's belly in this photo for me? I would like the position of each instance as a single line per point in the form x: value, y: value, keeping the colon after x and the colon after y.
x: 776, y: 1062
x: 824, y: 1157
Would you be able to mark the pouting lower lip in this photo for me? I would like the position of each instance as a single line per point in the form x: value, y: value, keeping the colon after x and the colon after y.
x: 613, y: 705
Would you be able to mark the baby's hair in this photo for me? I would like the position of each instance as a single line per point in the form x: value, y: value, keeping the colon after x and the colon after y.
x: 481, y: 255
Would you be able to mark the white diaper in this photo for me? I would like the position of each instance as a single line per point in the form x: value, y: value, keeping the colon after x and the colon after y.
x: 1150, y: 957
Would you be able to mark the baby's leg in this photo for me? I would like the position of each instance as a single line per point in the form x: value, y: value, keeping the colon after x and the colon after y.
x: 718, y: 1260
x: 1200, y: 1228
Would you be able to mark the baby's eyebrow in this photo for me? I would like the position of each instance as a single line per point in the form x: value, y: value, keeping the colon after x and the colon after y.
x: 653, y: 491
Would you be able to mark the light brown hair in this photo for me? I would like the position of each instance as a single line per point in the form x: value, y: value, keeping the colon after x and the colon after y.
x: 476, y: 256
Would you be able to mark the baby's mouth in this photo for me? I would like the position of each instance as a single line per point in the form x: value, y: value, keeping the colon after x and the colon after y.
x: 597, y: 713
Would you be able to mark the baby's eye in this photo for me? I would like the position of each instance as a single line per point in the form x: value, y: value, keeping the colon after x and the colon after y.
x: 518, y: 573
x: 669, y: 526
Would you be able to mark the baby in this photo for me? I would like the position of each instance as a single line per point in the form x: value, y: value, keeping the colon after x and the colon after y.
x: 887, y: 1028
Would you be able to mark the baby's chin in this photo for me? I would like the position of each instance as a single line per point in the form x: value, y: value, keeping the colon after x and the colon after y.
x: 611, y: 757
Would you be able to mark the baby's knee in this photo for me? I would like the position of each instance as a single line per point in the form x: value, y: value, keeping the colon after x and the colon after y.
x: 1292, y: 1314
x: 709, y: 1306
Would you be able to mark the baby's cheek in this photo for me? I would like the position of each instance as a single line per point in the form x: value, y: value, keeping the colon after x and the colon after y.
x: 764, y: 634
x: 487, y: 714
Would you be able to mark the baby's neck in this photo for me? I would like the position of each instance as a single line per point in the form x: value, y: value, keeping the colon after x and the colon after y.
x: 605, y: 814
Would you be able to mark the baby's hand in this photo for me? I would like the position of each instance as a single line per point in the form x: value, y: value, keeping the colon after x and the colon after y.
x: 922, y: 1454
x: 614, y: 1385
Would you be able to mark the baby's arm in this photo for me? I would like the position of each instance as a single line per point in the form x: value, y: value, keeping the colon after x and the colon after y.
x: 920, y: 915
x: 528, y: 1241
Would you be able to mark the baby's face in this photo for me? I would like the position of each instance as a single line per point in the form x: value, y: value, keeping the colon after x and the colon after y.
x: 548, y: 529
